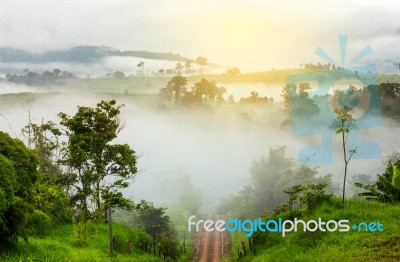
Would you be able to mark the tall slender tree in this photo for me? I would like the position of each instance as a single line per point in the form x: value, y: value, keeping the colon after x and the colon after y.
x: 98, y: 166
x: 202, y: 61
x: 188, y: 67
x: 345, y: 118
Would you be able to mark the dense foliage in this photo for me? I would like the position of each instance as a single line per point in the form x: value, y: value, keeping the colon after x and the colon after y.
x: 387, y: 187
x: 96, y: 167
x: 202, y: 92
x: 72, y: 174
x: 18, y: 178
x: 47, y: 78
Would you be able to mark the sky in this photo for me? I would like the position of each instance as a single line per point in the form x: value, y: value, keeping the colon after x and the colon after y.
x: 267, y: 33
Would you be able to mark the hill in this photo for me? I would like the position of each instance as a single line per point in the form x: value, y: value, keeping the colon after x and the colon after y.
x: 79, y: 54
x: 334, y: 246
x: 59, y: 245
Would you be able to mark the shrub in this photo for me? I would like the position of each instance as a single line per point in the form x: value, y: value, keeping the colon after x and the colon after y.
x: 39, y: 223
x: 84, y: 232
x: 387, y: 188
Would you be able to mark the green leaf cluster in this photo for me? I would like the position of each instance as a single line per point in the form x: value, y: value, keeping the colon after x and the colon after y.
x: 387, y: 187
x: 18, y: 176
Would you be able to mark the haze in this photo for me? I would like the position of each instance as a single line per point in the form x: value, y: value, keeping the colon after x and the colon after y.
x: 214, y: 148
x: 251, y: 34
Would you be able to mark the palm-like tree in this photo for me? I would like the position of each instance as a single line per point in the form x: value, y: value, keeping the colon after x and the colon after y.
x: 141, y: 65
x: 188, y: 66
x: 202, y: 61
x: 179, y: 68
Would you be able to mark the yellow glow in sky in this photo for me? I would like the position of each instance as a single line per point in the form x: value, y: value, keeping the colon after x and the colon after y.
x: 276, y: 33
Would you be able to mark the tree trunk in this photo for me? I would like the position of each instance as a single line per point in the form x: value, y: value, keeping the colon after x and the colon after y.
x: 345, y: 163
x: 154, y: 245
x: 98, y: 201
x: 110, y: 231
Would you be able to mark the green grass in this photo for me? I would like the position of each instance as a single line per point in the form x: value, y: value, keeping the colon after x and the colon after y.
x: 334, y: 246
x: 59, y: 246
x: 154, y: 83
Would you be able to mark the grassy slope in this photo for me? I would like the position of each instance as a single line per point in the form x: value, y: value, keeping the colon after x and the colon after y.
x: 153, y: 84
x: 145, y: 84
x: 59, y: 246
x: 347, y: 246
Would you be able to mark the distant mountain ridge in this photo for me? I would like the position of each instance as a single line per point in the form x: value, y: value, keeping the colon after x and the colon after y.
x: 79, y: 54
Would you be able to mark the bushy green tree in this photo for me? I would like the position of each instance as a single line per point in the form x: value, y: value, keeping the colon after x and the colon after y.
x: 306, y: 196
x: 155, y: 221
x: 88, y: 169
x: 174, y: 89
x: 43, y: 138
x: 205, y: 90
x: 99, y: 168
x: 298, y: 102
x: 18, y: 177
x: 52, y: 186
x: 390, y: 100
x: 169, y: 243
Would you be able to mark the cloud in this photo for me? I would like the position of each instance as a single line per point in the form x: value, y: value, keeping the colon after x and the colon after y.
x: 275, y: 32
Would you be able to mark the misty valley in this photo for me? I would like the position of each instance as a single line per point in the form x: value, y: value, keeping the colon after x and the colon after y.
x: 201, y: 131
x: 115, y: 166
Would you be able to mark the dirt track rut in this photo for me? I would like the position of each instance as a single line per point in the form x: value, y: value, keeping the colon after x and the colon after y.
x: 212, y: 246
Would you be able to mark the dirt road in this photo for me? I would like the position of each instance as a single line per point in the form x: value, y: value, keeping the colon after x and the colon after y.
x: 212, y: 246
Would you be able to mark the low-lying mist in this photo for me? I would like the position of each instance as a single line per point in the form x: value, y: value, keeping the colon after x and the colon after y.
x: 213, y: 147
x: 100, y: 68
x: 128, y: 65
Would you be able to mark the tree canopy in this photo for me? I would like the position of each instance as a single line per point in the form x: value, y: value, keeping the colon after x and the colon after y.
x: 18, y: 175
x: 97, y: 167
